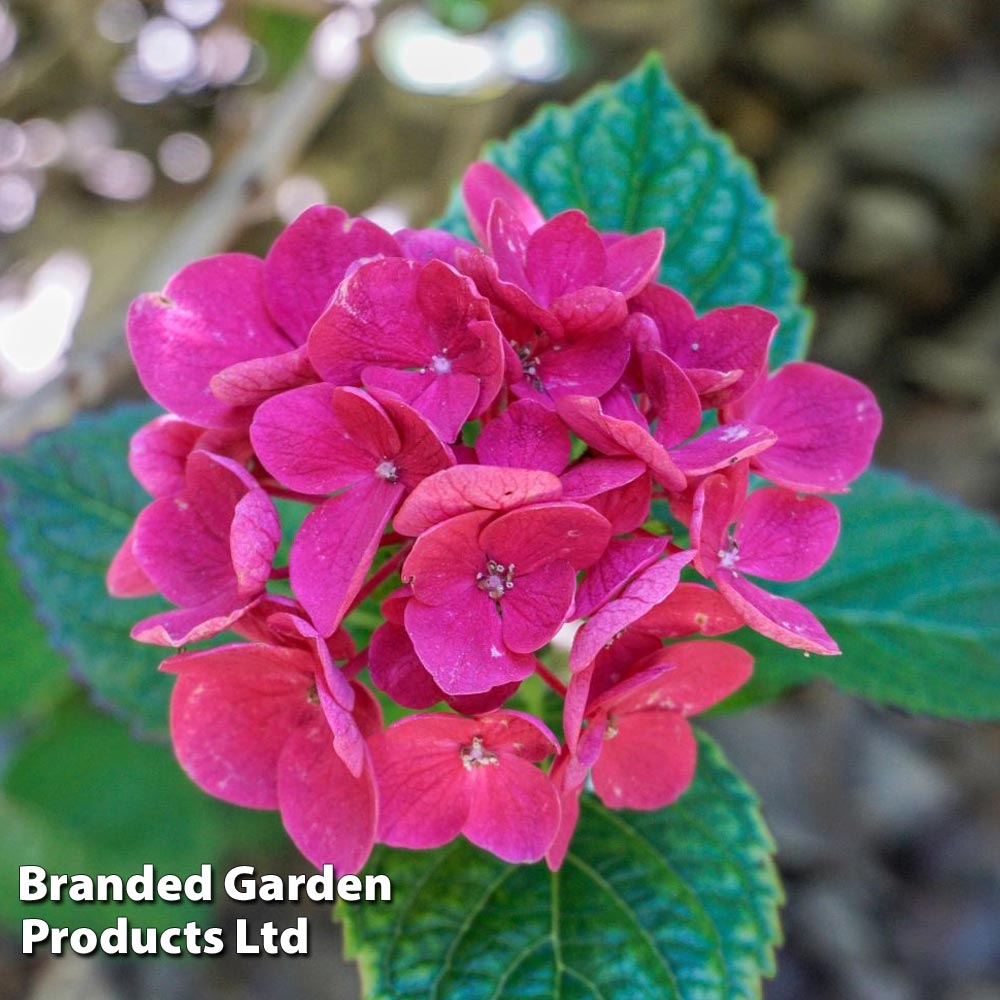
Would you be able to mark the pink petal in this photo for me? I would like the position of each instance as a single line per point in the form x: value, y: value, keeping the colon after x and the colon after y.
x: 615, y: 437
x: 421, y: 451
x: 648, y: 764
x: 627, y: 507
x: 443, y: 564
x: 647, y: 590
x: 721, y: 447
x: 481, y: 184
x: 691, y: 608
x: 424, y: 798
x: 826, y: 424
x: 623, y: 558
x: 396, y: 669
x: 591, y: 477
x: 534, y: 536
x: 514, y: 810
x: 318, y: 439
x: 232, y: 710
x: 125, y: 577
x: 569, y: 814
x: 674, y: 400
x: 446, y: 401
x: 779, y: 618
x: 330, y: 814
x: 210, y: 316
x: 462, y: 647
x: 526, y: 435
x: 158, y: 454
x: 309, y: 260
x: 785, y: 536
x: 334, y: 549
x: 536, y: 606
x: 465, y: 488
x: 187, y: 625
x: 430, y: 244
x: 518, y: 733
x: 589, y: 310
x: 249, y: 383
x: 634, y: 261
x: 564, y: 255
x: 717, y: 502
x: 254, y: 537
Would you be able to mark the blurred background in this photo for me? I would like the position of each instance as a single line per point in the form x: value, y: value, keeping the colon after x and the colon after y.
x: 136, y: 136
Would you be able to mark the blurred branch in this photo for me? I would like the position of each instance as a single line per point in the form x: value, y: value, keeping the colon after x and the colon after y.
x: 291, y: 118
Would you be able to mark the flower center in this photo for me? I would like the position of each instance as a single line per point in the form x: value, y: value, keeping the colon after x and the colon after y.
x: 475, y: 756
x: 387, y: 470
x: 729, y: 555
x: 497, y: 579
x: 440, y: 365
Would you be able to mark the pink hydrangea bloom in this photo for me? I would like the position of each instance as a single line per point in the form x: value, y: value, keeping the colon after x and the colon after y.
x: 471, y: 448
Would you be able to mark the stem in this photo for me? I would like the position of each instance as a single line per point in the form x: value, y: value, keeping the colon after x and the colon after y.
x: 280, y: 573
x: 550, y: 678
x: 355, y: 665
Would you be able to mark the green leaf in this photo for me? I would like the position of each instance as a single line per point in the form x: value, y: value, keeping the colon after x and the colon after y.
x: 81, y: 796
x: 68, y: 501
x: 34, y: 675
x: 912, y: 596
x: 677, y: 903
x: 634, y: 155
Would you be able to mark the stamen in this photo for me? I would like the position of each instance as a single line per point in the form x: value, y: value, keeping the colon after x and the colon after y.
x: 476, y: 756
x: 386, y: 470
x: 497, y: 579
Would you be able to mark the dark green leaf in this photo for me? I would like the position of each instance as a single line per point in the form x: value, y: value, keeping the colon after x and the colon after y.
x: 635, y: 155
x: 677, y: 903
x: 912, y: 595
x: 68, y: 501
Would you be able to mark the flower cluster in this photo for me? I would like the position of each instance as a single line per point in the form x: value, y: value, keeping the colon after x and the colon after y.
x: 536, y: 456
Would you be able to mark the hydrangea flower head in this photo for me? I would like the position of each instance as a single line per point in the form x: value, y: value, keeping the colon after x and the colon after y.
x: 466, y: 451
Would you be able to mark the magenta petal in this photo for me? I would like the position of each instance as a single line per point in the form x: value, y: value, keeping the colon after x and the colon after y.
x: 424, y: 795
x: 569, y: 813
x: 210, y: 316
x: 446, y: 559
x: 334, y: 549
x: 445, y: 401
x: 530, y: 537
x: 674, y: 399
x: 464, y: 488
x: 482, y: 183
x: 526, y: 435
x: 249, y: 383
x: 396, y: 669
x: 716, y: 502
x: 254, y: 537
x: 309, y: 260
x: 779, y: 618
x: 430, y: 244
x: 594, y: 476
x: 785, y: 536
x: 702, y: 673
x: 633, y: 262
x: 125, y: 577
x: 231, y: 712
x: 514, y: 810
x: 158, y: 454
x: 575, y: 705
x: 330, y: 814
x: 721, y: 447
x: 648, y: 764
x: 317, y: 439
x: 621, y: 559
x: 462, y: 647
x: 587, y: 365
x: 536, y: 606
x: 590, y: 310
x: 564, y: 255
x: 826, y: 424
x: 421, y: 451
x: 691, y: 608
x: 187, y: 625
x: 616, y: 437
x: 647, y: 590
x: 519, y: 733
